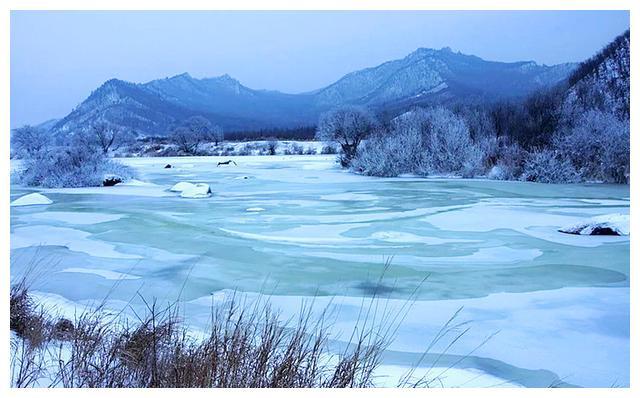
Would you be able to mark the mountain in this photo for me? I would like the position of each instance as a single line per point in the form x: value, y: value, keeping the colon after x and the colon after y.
x: 425, y: 76
x: 603, y: 81
x: 441, y: 75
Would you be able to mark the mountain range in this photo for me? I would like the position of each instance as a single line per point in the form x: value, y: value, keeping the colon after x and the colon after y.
x: 424, y: 77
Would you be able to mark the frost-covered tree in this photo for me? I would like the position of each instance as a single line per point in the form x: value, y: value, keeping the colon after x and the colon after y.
x: 105, y: 136
x: 505, y: 158
x: 28, y: 140
x: 549, y: 166
x: 272, y: 145
x: 216, y: 135
x: 598, y: 146
x: 347, y: 126
x: 193, y: 132
x: 422, y: 141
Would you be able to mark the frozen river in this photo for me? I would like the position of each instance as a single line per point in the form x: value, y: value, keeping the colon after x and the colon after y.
x: 293, y: 227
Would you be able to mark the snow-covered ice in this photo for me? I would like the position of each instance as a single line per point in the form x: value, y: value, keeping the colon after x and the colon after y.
x: 74, y: 239
x: 560, y: 301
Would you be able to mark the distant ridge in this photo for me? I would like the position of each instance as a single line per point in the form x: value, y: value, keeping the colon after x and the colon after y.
x: 426, y: 76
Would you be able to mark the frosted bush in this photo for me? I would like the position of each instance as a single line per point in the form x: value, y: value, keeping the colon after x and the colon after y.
x: 598, y: 146
x: 506, y: 159
x: 71, y: 166
x: 328, y: 150
x: 497, y: 172
x: 423, y: 141
x: 548, y: 166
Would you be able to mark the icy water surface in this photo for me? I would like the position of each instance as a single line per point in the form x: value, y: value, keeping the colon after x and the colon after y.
x: 295, y: 227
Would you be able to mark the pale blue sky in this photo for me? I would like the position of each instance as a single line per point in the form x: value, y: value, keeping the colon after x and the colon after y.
x: 57, y: 58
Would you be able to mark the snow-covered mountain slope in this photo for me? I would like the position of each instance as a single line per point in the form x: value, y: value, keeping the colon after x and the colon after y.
x: 425, y: 75
x: 603, y: 81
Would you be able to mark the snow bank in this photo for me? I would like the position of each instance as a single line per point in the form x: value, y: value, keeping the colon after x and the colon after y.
x: 197, y: 191
x: 136, y: 183
x: 607, y: 224
x: 32, y: 199
x: 181, y: 186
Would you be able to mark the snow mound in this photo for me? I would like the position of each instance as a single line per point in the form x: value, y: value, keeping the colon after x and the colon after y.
x: 32, y: 199
x: 254, y: 209
x: 182, y: 186
x: 608, y: 224
x: 198, y: 191
x: 136, y: 183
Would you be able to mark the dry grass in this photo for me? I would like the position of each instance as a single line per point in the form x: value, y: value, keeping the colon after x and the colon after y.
x: 247, y: 345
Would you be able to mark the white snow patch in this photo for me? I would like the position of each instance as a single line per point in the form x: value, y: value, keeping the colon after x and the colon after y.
x: 70, y: 217
x: 617, y: 222
x: 32, y: 199
x: 106, y: 274
x: 136, y: 183
x: 182, y: 186
x: 405, y: 237
x: 440, y: 377
x: 197, y: 191
x: 606, y: 202
x: 349, y: 196
x: 310, y: 234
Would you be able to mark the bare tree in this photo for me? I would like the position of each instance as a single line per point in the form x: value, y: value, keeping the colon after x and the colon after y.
x: 105, y: 136
x: 217, y: 134
x: 347, y: 126
x: 28, y: 140
x: 193, y: 132
x: 272, y: 145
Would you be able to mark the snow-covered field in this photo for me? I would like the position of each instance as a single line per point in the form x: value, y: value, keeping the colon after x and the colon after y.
x: 295, y: 227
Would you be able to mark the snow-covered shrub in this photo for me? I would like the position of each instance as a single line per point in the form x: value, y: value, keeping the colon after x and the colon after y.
x: 272, y: 146
x: 310, y: 150
x: 328, y: 150
x: 297, y: 149
x: 388, y: 154
x: 423, y: 141
x: 549, y: 166
x: 506, y: 159
x: 244, y: 150
x: 598, y: 145
x: 70, y: 166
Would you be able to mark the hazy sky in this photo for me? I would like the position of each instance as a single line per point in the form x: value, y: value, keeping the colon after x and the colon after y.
x: 57, y: 58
